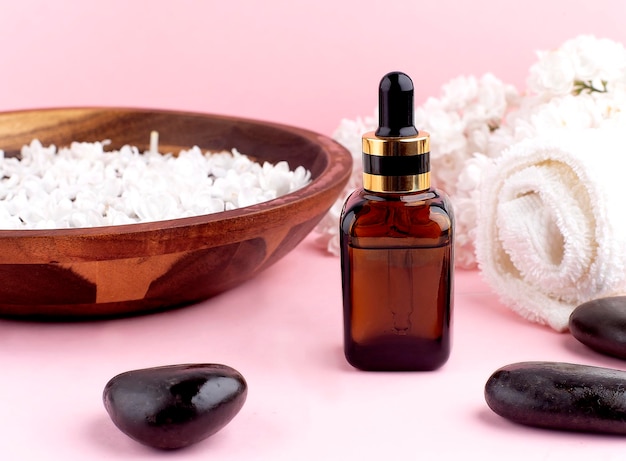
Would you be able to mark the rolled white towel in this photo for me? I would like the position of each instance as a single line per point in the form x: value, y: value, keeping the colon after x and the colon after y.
x: 552, y: 223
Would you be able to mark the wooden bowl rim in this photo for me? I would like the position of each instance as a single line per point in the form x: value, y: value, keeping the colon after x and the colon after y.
x: 336, y: 171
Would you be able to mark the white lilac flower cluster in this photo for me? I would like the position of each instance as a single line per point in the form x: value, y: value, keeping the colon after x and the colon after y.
x: 581, y: 84
x: 85, y: 186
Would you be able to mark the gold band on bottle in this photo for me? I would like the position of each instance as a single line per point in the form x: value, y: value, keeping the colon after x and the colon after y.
x: 386, y: 175
x: 399, y: 184
x: 396, y: 147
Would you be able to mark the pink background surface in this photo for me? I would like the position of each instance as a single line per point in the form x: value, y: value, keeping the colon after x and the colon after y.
x: 282, y: 331
x: 307, y: 64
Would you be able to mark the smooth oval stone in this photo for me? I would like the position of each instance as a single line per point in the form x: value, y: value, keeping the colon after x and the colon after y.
x: 601, y: 325
x: 559, y: 395
x: 174, y: 406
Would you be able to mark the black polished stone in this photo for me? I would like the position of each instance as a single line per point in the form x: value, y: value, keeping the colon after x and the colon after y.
x: 601, y: 325
x: 561, y: 396
x: 174, y: 406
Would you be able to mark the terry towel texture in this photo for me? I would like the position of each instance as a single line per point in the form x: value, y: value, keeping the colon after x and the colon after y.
x: 552, y: 223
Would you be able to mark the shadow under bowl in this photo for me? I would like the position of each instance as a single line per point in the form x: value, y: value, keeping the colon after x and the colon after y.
x: 135, y: 268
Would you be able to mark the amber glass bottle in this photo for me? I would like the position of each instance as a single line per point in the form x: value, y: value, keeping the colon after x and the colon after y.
x: 397, y: 247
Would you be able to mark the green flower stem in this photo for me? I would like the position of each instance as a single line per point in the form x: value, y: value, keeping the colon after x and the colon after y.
x: 581, y: 86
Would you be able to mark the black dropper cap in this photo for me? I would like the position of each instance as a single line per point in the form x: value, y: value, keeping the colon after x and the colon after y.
x: 395, y: 106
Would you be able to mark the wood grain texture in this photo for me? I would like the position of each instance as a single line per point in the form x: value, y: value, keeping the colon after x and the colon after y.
x: 116, y: 270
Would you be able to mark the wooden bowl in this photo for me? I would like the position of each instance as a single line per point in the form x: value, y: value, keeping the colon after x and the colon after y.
x: 117, y: 270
